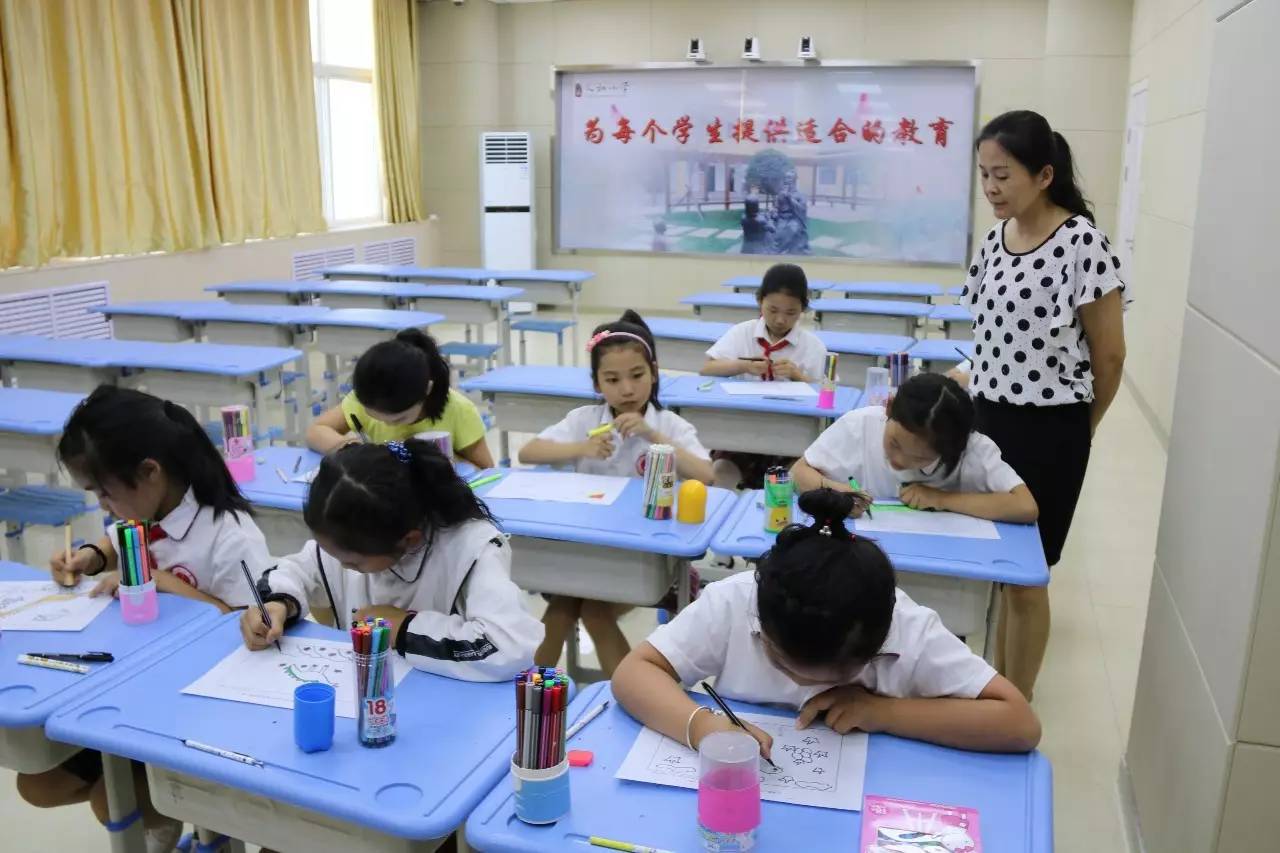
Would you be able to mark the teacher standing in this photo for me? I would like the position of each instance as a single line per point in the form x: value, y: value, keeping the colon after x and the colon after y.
x: 1047, y: 300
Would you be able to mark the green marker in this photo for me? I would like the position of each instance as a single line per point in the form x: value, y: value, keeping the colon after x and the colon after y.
x: 484, y: 481
x: 706, y: 386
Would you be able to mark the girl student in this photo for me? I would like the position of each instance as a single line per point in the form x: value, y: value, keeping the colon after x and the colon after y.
x: 147, y: 458
x: 820, y: 628
x: 624, y: 370
x: 921, y: 448
x: 398, y: 535
x: 401, y: 389
x: 771, y: 347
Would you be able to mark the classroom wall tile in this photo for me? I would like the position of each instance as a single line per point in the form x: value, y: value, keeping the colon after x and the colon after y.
x: 1250, y: 820
x: 1235, y: 266
x: 1097, y: 154
x: 1143, y: 28
x: 1105, y: 216
x: 467, y: 33
x: 459, y: 212
x: 542, y: 165
x: 1141, y: 63
x: 955, y: 31
x: 837, y: 26
x: 526, y: 33
x: 1259, y: 720
x: 1216, y: 510
x: 1012, y: 29
x: 1008, y: 84
x: 1086, y: 93
x: 454, y: 157
x: 1166, y: 12
x: 601, y: 31
x: 1178, y: 752
x: 526, y: 95
x: 459, y: 93
x: 1180, y: 67
x: 1088, y: 27
x: 1222, y: 8
x: 1171, y: 157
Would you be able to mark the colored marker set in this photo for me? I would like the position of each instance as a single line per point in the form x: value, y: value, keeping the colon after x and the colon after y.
x: 539, y: 765
x: 899, y: 368
x: 778, y: 491
x: 237, y: 442
x: 138, y: 602
x: 375, y: 682
x: 660, y: 482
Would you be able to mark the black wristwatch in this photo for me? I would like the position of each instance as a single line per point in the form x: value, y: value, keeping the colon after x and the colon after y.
x: 101, y: 557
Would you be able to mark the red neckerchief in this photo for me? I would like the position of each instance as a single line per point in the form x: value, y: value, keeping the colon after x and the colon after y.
x: 769, y: 350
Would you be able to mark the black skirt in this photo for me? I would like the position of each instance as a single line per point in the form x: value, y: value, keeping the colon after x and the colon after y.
x: 1049, y: 448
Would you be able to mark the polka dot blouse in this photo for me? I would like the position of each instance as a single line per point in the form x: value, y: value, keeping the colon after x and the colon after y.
x: 1029, y: 344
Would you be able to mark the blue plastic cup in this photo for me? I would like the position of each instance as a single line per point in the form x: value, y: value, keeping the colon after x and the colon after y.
x: 313, y: 716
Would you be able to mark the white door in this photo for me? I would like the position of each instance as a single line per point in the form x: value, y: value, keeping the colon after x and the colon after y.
x: 1131, y: 176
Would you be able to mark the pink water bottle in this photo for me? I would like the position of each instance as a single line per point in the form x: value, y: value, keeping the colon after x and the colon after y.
x: 728, y: 792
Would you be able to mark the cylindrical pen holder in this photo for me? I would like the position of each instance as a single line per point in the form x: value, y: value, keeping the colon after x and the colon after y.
x: 139, y: 604
x: 659, y: 482
x: 728, y: 791
x: 827, y: 396
x: 777, y: 504
x: 313, y: 712
x: 542, y: 796
x: 241, y: 468
x: 441, y: 439
x: 375, y: 699
x: 877, y: 389
x: 691, y: 505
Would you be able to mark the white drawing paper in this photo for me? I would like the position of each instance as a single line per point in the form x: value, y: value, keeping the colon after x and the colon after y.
x: 927, y: 523
x: 815, y: 766
x: 307, y: 477
x: 48, y: 606
x: 561, y: 487
x: 768, y: 389
x: 269, y: 677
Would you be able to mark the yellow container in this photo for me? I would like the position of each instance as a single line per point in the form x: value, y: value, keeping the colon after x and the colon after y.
x: 692, y: 505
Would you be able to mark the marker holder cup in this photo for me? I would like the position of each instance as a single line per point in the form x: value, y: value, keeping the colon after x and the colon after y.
x: 441, y: 439
x: 777, y: 505
x: 375, y: 699
x: 313, y: 713
x: 728, y: 792
x: 139, y: 604
x: 827, y: 396
x: 542, y: 796
x: 877, y: 389
x: 241, y: 468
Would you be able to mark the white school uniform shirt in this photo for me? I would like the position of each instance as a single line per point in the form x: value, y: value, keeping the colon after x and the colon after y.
x: 853, y: 446
x: 629, y: 454
x: 206, y: 552
x: 719, y: 635
x: 804, y: 348
x: 470, y: 620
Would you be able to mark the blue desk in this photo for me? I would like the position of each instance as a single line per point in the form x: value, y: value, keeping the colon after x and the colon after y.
x: 953, y: 576
x: 369, y: 272
x: 903, y: 291
x: 271, y: 292
x: 608, y: 553
x: 160, y: 320
x: 856, y: 351
x: 530, y: 398
x: 936, y: 353
x: 420, y: 787
x: 956, y: 321
x: 1012, y: 793
x: 30, y: 424
x: 31, y: 694
x: 752, y: 424
x: 955, y: 290
x: 833, y: 315
x: 751, y: 283
x: 550, y: 287
x: 682, y: 343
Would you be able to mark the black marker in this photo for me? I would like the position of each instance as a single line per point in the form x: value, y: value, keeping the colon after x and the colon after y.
x: 733, y: 718
x: 88, y: 657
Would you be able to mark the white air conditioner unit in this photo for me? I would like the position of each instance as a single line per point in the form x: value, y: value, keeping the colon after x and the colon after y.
x: 506, y: 203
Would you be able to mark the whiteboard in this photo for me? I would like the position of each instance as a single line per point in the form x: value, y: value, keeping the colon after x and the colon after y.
x: 860, y: 162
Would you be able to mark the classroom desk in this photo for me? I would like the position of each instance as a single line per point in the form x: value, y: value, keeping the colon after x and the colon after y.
x: 530, y: 398
x: 957, y: 322
x: 188, y: 374
x: 549, y: 287
x: 954, y: 576
x: 752, y: 424
x: 955, y: 290
x: 682, y: 343
x: 872, y: 316
x: 941, y: 353
x: 405, y: 796
x: 368, y: 272
x: 31, y: 694
x: 160, y: 320
x: 902, y: 291
x: 856, y: 351
x: 271, y: 292
x: 31, y: 422
x: 607, y: 553
x: 751, y: 283
x: 1012, y: 793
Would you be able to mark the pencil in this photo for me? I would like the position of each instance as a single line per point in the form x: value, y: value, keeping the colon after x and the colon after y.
x: 355, y: 422
x: 262, y: 608
x: 66, y: 542
x: 733, y: 718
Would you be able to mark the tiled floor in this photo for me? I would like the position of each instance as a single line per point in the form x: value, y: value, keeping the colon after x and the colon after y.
x: 1085, y: 694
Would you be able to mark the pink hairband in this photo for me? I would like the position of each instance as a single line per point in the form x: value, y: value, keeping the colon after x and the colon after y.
x: 596, y: 339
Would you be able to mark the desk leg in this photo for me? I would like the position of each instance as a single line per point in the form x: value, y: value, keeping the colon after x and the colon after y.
x: 993, y: 623
x: 330, y: 380
x: 683, y: 593
x: 573, y: 362
x: 122, y: 800
x: 504, y: 333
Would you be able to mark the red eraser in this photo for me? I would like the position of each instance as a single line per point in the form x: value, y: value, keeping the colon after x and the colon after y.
x: 580, y: 758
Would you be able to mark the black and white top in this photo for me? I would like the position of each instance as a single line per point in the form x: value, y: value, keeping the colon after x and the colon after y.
x: 1029, y: 344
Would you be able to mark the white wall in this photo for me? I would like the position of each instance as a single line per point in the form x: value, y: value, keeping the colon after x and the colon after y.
x: 487, y: 66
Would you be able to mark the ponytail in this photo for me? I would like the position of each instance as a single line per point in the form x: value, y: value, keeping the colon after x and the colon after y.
x: 366, y: 497
x: 1027, y: 137
x: 114, y: 430
x: 406, y: 371
x: 937, y: 409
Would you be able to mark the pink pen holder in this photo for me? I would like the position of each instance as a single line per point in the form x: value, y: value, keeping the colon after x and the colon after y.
x: 139, y: 604
x: 728, y: 792
x: 827, y: 398
x: 241, y: 468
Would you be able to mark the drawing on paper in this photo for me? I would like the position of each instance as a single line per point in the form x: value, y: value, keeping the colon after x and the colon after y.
x: 46, y: 606
x: 815, y: 766
x: 270, y: 676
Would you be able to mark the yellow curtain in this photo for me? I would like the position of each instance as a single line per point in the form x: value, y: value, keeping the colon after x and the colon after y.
x: 131, y: 126
x: 395, y: 79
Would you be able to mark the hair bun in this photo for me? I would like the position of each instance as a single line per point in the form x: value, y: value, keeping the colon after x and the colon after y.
x: 828, y: 507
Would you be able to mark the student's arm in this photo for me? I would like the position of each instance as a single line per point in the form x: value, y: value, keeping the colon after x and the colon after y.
x: 286, y: 588
x: 785, y: 368
x: 83, y: 562
x: 807, y: 478
x: 732, y: 367
x: 998, y: 720
x: 330, y: 431
x: 689, y: 466
x: 167, y: 581
x: 477, y: 454
x: 491, y: 637
x: 1016, y: 506
x: 647, y: 686
x: 1103, y: 322
x: 544, y: 451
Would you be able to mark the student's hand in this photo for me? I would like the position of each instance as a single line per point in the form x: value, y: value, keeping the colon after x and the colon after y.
x: 847, y: 707
x: 107, y: 585
x: 920, y: 496
x: 752, y: 368
x: 861, y: 503
x: 257, y: 636
x: 633, y: 423
x: 597, y: 446
x: 704, y: 724
x: 393, y: 615
x: 68, y: 572
x: 960, y: 376
x: 167, y: 581
x: 787, y: 369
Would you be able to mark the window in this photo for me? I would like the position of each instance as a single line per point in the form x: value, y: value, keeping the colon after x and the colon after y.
x: 346, y: 110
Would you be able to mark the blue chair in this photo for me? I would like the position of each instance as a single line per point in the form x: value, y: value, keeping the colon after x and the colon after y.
x: 47, y: 505
x: 553, y: 327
